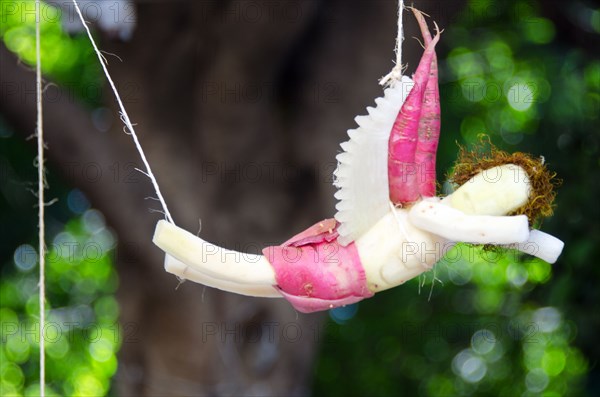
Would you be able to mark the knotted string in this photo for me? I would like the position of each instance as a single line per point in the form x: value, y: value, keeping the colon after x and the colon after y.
x: 396, y: 73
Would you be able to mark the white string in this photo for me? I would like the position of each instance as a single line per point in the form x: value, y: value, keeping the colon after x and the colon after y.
x: 125, y: 117
x: 40, y: 192
x: 396, y: 73
x: 400, y: 35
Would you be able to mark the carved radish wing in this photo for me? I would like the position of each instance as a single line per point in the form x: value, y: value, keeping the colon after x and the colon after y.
x: 362, y: 172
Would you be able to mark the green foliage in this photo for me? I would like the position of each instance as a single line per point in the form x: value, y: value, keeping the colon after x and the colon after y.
x: 478, y: 334
x: 81, y: 332
x: 70, y: 61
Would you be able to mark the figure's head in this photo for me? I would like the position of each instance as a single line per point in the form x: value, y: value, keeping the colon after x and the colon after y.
x: 499, y: 190
x: 494, y: 182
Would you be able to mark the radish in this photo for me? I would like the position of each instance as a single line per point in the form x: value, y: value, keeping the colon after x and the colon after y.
x: 314, y: 272
x: 429, y: 123
x: 402, y: 168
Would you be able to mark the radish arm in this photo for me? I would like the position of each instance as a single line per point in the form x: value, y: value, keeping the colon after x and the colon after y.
x: 455, y: 225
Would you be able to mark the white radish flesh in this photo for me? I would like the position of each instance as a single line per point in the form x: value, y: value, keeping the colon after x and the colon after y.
x: 361, y: 175
x: 393, y: 251
x: 541, y: 245
x: 217, y: 262
x: 495, y: 191
x: 185, y: 272
x: 455, y: 225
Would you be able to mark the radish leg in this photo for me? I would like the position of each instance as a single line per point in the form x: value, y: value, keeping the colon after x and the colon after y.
x: 212, y: 260
x: 186, y: 272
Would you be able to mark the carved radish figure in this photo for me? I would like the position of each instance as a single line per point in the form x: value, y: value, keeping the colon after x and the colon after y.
x: 389, y: 226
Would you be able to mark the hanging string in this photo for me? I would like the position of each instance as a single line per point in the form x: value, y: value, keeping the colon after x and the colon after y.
x: 396, y: 73
x: 40, y: 192
x: 125, y: 118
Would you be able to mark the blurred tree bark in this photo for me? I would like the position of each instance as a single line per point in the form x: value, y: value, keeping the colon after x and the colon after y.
x: 240, y: 107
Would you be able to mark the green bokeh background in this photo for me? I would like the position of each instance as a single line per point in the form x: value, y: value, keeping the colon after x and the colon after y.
x: 489, y: 324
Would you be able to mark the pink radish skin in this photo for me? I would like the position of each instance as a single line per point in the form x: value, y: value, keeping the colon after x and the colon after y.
x: 429, y: 124
x: 402, y: 169
x: 325, y: 230
x: 314, y: 272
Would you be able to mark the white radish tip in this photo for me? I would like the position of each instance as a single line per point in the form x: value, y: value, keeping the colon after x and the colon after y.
x: 542, y: 245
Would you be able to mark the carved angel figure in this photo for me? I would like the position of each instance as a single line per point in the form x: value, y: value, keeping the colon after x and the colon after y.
x: 389, y: 226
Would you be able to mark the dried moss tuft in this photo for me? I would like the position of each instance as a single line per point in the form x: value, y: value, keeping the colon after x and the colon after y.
x: 485, y: 155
